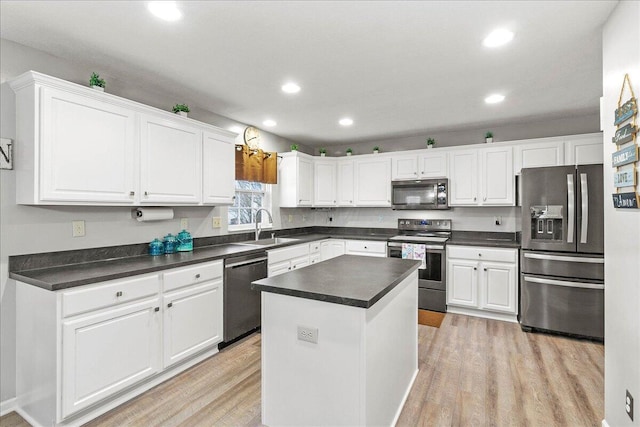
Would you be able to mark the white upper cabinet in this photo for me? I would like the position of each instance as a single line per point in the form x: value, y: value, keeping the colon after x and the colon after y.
x: 482, y: 177
x: 404, y: 166
x: 433, y: 164
x: 583, y: 149
x: 325, y: 179
x: 218, y: 170
x: 346, y: 183
x: 171, y: 167
x: 497, y: 179
x: 463, y: 178
x: 79, y: 146
x: 86, y: 147
x: 538, y: 154
x: 373, y: 180
x: 295, y: 180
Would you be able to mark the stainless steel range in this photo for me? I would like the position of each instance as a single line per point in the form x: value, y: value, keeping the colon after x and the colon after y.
x: 425, y: 239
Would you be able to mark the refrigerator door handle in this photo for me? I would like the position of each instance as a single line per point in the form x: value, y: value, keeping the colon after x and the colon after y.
x: 570, y: 207
x: 563, y: 283
x: 591, y: 260
x: 584, y: 190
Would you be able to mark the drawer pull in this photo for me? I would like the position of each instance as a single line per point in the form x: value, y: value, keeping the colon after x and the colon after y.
x: 119, y: 294
x: 485, y: 269
x: 156, y: 309
x: 170, y: 305
x: 132, y: 193
x: 479, y: 254
x: 146, y: 193
x: 475, y: 268
x: 198, y: 276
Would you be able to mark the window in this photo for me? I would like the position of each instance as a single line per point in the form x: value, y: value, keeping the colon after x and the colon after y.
x: 250, y: 196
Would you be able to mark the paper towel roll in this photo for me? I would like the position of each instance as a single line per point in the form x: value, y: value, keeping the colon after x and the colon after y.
x: 153, y: 214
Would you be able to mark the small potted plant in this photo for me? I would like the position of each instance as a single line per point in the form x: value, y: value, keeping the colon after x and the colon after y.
x: 376, y: 149
x: 181, y: 109
x: 323, y: 152
x: 97, y: 83
x: 294, y: 147
x: 349, y: 151
x: 488, y: 137
x: 431, y: 142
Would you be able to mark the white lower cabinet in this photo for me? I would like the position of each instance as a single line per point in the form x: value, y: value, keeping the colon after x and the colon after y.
x: 366, y: 248
x: 106, y: 352
x: 84, y: 350
x: 332, y: 248
x: 288, y: 258
x: 483, y: 281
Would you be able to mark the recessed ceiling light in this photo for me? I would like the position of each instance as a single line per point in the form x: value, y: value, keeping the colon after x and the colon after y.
x: 166, y: 10
x: 290, y: 88
x: 494, y: 99
x: 269, y: 123
x: 236, y: 129
x: 498, y: 38
x: 346, y: 121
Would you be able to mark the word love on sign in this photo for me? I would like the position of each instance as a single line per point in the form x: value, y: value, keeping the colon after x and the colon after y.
x: 626, y: 111
x: 625, y: 201
x: 625, y: 178
x: 624, y: 156
x: 624, y: 134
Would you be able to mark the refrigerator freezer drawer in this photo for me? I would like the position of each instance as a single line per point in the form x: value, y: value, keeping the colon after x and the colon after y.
x: 590, y: 267
x: 562, y: 306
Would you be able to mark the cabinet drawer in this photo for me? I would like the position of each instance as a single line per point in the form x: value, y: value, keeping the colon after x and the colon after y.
x: 288, y: 253
x: 481, y: 253
x: 186, y: 276
x: 366, y: 247
x: 315, y: 258
x: 315, y: 246
x: 106, y: 294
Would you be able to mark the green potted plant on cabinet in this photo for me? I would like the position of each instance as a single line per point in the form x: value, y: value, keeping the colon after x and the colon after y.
x: 181, y: 109
x: 96, y: 82
x: 349, y: 151
x: 294, y: 147
x: 376, y: 149
x: 488, y: 137
x: 323, y: 152
x: 431, y: 142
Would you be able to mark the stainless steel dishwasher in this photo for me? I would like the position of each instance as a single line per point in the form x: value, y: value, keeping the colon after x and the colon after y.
x: 241, y: 303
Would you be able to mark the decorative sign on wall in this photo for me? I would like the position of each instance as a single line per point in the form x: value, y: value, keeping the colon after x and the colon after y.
x: 624, y: 134
x: 625, y: 200
x: 625, y: 159
x: 625, y: 156
x: 6, y: 154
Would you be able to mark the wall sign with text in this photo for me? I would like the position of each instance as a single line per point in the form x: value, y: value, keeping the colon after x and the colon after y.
x: 625, y: 159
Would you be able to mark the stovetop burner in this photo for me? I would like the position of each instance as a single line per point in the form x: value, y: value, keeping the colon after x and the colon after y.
x: 423, y: 230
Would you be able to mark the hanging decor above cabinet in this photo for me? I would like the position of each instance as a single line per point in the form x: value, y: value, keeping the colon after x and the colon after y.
x: 253, y: 164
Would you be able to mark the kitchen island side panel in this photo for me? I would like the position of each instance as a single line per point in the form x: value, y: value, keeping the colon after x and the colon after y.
x: 358, y: 373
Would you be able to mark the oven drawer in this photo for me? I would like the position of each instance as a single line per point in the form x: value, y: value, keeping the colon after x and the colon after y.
x: 432, y: 299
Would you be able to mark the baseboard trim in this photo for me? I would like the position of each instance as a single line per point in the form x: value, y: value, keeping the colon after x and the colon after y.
x: 405, y: 397
x: 7, y: 406
x: 484, y: 314
x: 605, y: 423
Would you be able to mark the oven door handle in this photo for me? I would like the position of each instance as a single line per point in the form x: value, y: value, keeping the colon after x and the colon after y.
x: 433, y: 247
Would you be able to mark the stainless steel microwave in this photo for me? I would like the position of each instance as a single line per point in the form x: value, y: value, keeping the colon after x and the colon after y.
x: 420, y: 194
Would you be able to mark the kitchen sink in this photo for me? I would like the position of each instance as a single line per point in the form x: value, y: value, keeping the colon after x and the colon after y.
x: 270, y: 242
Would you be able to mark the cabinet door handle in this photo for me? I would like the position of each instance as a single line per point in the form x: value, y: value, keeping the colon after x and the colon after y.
x: 475, y: 268
x: 289, y: 268
x: 156, y: 309
x: 479, y: 254
x: 485, y: 269
x: 300, y: 201
x: 146, y: 193
x: 132, y: 193
x: 474, y: 199
x: 198, y: 276
x: 484, y: 198
x: 170, y: 305
x: 119, y: 294
x: 350, y: 201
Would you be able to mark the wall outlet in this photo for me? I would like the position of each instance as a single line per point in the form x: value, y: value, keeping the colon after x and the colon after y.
x: 628, y: 404
x: 77, y: 228
x: 497, y: 220
x: 290, y: 218
x: 308, y: 334
x: 184, y: 223
x: 216, y: 222
x: 304, y: 218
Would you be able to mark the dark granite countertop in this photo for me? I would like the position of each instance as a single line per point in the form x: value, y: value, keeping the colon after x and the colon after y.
x: 334, y: 280
x: 482, y: 238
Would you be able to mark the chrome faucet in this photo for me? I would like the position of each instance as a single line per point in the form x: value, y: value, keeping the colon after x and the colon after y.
x: 258, y: 223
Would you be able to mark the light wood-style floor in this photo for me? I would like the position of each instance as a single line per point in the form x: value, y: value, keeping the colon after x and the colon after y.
x: 473, y: 372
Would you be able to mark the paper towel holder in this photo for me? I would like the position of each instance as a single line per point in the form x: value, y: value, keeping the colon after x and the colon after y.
x: 152, y: 214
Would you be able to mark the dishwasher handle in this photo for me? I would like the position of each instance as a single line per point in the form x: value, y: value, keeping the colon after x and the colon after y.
x: 247, y: 262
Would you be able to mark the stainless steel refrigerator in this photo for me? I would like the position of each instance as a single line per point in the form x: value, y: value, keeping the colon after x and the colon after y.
x: 562, y: 260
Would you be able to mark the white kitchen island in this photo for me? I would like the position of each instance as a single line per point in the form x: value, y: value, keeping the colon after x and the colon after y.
x: 362, y: 313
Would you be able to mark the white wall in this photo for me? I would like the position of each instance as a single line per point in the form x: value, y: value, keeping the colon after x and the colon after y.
x: 621, y: 48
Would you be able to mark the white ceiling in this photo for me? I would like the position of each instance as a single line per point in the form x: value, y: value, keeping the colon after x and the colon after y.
x: 396, y: 67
